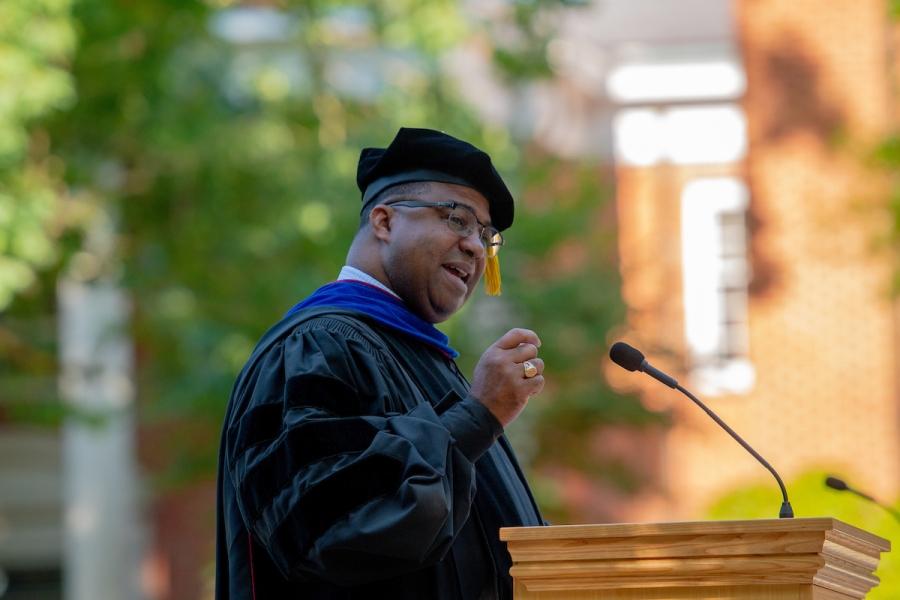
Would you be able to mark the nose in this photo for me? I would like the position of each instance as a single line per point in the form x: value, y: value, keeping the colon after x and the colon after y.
x: 472, y: 244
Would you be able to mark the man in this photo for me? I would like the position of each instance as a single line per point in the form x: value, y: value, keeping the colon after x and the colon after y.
x: 356, y: 461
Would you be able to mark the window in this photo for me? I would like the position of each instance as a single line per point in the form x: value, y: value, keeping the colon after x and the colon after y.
x: 684, y: 135
x: 715, y: 271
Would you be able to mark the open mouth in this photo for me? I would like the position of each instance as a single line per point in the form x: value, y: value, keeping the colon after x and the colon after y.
x: 457, y: 273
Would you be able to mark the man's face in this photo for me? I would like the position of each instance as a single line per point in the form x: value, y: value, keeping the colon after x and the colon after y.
x: 430, y: 267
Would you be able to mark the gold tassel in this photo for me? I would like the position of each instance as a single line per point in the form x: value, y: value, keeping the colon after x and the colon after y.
x: 492, y: 276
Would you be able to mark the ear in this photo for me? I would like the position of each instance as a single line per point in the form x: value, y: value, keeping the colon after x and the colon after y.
x: 380, y: 221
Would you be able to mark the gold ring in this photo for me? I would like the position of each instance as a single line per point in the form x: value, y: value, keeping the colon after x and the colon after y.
x: 530, y: 370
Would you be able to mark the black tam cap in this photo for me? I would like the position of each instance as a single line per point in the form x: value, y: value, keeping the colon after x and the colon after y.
x: 428, y: 155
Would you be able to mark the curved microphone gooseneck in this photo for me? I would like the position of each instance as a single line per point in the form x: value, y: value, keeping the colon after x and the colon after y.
x: 632, y: 359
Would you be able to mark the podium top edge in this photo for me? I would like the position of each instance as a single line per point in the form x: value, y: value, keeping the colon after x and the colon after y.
x: 619, y: 530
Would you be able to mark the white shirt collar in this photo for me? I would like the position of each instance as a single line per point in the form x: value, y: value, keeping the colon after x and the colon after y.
x: 354, y: 274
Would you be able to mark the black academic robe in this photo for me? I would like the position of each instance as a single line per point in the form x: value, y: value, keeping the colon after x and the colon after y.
x: 353, y: 464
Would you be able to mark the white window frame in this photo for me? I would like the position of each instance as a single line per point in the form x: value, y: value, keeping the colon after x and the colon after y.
x: 715, y: 274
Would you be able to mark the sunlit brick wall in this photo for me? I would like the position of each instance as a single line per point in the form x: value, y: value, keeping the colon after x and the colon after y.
x: 822, y: 323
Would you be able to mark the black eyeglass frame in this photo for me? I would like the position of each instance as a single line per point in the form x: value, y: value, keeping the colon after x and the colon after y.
x: 491, y: 248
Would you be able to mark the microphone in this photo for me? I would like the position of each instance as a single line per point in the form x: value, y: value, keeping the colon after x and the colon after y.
x: 631, y: 359
x: 839, y: 485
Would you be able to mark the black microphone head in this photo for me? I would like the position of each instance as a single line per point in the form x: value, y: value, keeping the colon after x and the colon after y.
x: 837, y: 484
x: 626, y: 357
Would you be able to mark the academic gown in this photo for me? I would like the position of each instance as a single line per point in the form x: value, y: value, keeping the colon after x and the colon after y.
x: 353, y: 464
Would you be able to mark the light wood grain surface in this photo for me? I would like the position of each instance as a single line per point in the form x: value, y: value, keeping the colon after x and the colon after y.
x: 803, y: 559
x: 692, y: 527
x: 774, y: 592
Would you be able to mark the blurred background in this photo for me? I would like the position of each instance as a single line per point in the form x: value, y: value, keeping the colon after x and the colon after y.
x: 713, y: 181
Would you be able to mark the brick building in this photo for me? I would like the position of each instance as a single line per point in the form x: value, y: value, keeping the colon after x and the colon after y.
x: 757, y: 273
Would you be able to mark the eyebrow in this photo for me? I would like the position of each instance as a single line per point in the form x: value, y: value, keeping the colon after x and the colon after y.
x: 472, y: 208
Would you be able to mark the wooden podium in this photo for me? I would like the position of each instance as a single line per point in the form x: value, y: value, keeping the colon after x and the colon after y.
x: 771, y: 559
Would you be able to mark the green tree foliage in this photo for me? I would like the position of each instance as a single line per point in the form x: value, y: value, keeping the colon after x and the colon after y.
x: 36, y: 41
x: 226, y: 163
x: 810, y: 498
x: 894, y: 9
x: 229, y: 169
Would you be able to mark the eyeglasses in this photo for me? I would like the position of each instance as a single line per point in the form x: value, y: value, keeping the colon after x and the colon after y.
x: 462, y: 221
